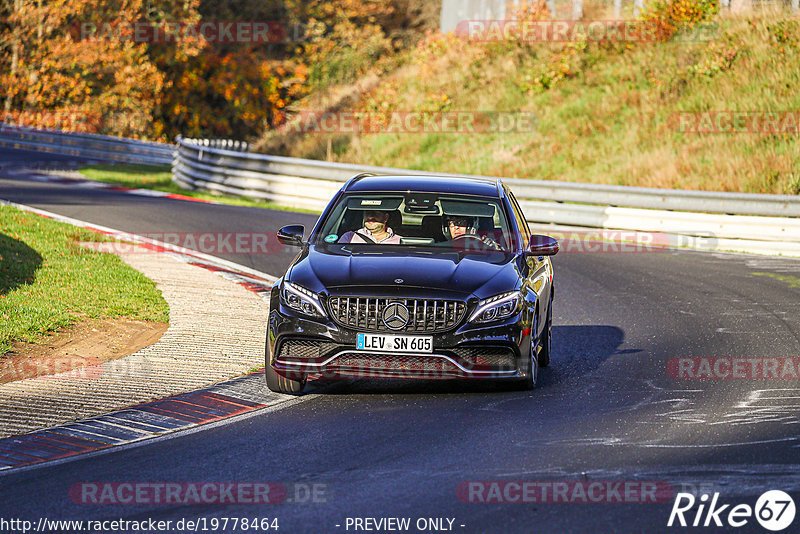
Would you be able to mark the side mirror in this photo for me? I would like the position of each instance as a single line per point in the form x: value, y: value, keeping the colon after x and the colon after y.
x: 291, y: 235
x: 542, y: 245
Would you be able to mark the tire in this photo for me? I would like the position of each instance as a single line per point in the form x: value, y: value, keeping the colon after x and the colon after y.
x: 278, y: 383
x: 547, y: 338
x: 531, y: 369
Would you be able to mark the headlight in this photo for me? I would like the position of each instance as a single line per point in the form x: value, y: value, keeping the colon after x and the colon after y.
x: 301, y: 299
x: 497, y: 307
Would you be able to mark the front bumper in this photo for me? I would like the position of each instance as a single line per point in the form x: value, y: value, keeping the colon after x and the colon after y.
x: 300, y: 347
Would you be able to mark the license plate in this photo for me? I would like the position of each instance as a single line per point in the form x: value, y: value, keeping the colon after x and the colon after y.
x: 394, y: 343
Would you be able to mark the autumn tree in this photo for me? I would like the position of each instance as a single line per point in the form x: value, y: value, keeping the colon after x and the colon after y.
x: 58, y: 72
x: 82, y: 65
x: 233, y: 89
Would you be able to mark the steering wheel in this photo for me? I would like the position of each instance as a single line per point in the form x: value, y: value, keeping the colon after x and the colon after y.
x: 460, y: 242
x: 466, y: 236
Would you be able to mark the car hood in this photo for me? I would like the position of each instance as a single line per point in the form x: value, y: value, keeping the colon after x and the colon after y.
x: 338, y: 269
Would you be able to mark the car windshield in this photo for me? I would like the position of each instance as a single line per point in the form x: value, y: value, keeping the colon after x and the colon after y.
x: 418, y: 219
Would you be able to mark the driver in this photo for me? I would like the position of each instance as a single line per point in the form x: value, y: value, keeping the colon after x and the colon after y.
x: 374, y: 230
x: 465, y: 226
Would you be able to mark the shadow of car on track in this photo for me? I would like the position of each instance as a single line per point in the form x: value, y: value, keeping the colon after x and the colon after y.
x: 581, y: 349
x: 577, y: 351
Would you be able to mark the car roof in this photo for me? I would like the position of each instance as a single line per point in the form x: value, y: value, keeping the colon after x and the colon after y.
x: 489, y: 187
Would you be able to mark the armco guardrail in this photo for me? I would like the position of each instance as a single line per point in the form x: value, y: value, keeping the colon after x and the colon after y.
x: 728, y: 221
x: 267, y: 168
x: 764, y: 223
x: 86, y: 146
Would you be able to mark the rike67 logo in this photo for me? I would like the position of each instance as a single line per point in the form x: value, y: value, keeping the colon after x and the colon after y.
x: 774, y: 510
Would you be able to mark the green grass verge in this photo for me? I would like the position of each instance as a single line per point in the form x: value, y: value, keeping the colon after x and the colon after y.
x: 48, y: 281
x: 159, y: 178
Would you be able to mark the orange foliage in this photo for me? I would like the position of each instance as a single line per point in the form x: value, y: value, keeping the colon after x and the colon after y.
x: 668, y: 17
x: 49, y: 78
x: 52, y: 75
x: 236, y: 95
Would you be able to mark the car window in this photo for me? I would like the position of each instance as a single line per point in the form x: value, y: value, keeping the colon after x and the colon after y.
x: 418, y: 219
x: 525, y: 231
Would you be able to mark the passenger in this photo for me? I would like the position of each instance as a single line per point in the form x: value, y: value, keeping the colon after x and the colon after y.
x: 374, y: 230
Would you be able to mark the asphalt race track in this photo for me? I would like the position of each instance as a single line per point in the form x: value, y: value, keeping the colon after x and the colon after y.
x: 607, y: 409
x: 11, y: 157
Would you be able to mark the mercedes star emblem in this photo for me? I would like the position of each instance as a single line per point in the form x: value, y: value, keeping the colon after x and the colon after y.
x: 395, y: 316
x: 398, y: 280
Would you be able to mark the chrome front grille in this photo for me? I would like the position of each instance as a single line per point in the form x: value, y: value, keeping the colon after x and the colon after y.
x: 425, y: 315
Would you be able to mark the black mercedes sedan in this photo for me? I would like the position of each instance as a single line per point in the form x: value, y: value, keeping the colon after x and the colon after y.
x: 413, y: 277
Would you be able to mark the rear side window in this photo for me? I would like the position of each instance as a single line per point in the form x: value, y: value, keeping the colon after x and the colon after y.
x: 521, y: 222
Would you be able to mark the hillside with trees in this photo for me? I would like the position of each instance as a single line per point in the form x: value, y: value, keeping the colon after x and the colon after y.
x: 117, y: 67
x: 606, y: 110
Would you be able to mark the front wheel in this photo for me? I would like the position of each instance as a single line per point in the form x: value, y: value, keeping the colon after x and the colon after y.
x: 531, y: 368
x: 547, y: 338
x: 281, y: 384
